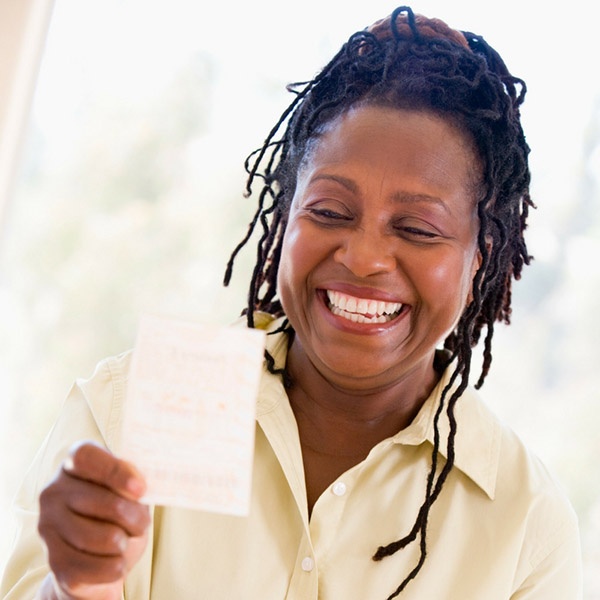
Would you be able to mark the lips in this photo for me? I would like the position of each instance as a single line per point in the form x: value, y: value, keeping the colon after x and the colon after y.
x: 362, y: 310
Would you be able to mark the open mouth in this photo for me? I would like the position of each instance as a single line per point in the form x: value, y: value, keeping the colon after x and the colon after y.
x: 362, y: 310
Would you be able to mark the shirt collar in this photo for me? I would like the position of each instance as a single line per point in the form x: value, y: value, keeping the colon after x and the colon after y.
x: 478, y: 434
x: 477, y: 441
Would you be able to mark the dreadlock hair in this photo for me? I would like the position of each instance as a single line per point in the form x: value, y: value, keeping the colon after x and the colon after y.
x: 410, y: 62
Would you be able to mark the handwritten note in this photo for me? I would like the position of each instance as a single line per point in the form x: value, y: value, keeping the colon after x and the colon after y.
x: 190, y: 413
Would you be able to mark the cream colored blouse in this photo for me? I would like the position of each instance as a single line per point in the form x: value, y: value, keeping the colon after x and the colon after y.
x: 501, y: 528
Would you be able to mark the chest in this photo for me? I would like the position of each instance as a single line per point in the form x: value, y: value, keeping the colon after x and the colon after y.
x: 276, y: 553
x: 321, y: 470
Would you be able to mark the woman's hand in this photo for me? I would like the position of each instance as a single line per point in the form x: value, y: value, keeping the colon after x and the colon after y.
x: 93, y: 525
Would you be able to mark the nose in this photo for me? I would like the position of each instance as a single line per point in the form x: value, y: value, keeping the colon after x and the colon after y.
x: 365, y: 254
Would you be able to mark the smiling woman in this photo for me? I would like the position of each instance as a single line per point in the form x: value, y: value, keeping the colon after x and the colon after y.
x: 393, y: 200
x: 383, y: 211
x: 401, y: 177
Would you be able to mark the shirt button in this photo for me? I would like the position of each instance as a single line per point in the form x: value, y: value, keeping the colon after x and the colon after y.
x: 339, y: 488
x: 308, y: 564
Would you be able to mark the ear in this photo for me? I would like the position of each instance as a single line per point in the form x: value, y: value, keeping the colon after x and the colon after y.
x: 477, y: 262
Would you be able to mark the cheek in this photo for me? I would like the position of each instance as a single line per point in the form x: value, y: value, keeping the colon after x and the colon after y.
x: 289, y: 252
x: 294, y: 263
x: 303, y: 248
x: 449, y: 281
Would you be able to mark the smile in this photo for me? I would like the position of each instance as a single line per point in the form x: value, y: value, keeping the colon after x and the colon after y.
x: 362, y: 310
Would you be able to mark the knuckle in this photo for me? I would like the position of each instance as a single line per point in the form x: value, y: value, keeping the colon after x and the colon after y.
x: 104, y: 540
x: 44, y: 520
x: 81, y: 452
x: 114, y: 473
x: 120, y: 509
x: 48, y: 511
x: 84, y: 457
x: 42, y: 528
x: 45, y: 497
x: 78, y: 540
x: 115, y: 539
x: 136, y: 516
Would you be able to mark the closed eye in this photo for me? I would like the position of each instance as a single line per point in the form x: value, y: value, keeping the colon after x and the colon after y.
x: 418, y: 232
x: 328, y: 214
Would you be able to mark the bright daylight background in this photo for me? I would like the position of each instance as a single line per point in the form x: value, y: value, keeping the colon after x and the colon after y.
x: 129, y: 198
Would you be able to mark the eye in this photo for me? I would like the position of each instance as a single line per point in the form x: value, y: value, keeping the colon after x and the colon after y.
x: 328, y: 214
x: 417, y: 231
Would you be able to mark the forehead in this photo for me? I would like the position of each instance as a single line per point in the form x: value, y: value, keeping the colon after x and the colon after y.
x: 420, y: 148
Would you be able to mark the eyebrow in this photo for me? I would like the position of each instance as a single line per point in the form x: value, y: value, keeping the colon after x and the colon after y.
x: 344, y: 181
x: 400, y: 197
x: 409, y: 198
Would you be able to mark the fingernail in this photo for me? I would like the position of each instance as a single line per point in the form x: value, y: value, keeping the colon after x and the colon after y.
x: 135, y: 486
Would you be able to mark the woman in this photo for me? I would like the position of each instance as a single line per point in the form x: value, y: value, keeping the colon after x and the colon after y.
x: 397, y: 199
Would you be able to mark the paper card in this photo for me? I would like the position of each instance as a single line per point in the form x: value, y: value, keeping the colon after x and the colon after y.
x: 189, y: 417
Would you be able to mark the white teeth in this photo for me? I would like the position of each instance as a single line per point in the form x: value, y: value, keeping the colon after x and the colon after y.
x: 362, y: 310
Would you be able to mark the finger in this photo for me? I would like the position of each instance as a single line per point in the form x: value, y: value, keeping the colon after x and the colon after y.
x: 91, y: 462
x: 102, y: 504
x: 98, y: 538
x: 84, y: 533
x: 74, y: 568
x: 89, y: 499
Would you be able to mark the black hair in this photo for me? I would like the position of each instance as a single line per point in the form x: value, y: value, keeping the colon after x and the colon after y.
x: 411, y: 62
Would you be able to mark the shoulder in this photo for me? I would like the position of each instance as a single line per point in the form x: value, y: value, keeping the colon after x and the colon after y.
x: 543, y: 519
x: 534, y: 505
x: 521, y: 473
x: 516, y: 472
x: 535, y: 492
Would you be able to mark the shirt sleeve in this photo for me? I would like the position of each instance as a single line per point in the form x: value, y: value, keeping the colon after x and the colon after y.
x: 558, y: 574
x: 27, y: 565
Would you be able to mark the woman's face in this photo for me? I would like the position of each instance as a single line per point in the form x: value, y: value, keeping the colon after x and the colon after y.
x: 380, y: 247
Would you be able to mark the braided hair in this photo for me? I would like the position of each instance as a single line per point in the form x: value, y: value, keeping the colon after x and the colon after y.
x: 407, y: 61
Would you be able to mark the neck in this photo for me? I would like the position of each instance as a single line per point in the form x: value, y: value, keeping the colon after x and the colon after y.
x: 340, y: 424
x: 345, y: 420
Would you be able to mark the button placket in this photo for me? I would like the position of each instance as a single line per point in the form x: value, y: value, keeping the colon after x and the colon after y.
x: 327, y: 515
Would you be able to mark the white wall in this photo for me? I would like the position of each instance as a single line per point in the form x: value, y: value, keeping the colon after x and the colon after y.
x: 23, y: 26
